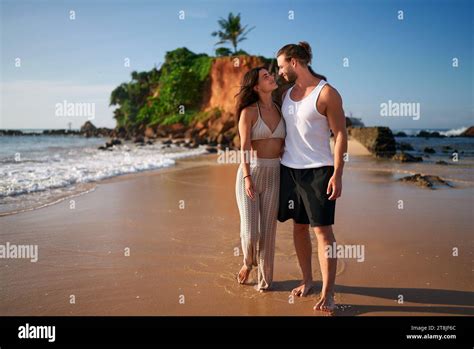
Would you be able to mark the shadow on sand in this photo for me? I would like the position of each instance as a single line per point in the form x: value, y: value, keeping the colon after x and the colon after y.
x: 454, y: 302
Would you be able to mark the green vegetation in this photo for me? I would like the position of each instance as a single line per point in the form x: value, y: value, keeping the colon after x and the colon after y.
x: 166, y: 96
x: 173, y: 93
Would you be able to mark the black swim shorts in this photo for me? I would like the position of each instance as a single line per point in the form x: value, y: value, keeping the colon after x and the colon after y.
x: 303, y: 196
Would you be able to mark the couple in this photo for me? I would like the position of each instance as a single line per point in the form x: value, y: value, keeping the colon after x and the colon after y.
x: 304, y: 183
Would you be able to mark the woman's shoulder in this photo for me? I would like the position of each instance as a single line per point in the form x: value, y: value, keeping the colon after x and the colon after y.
x: 250, y: 111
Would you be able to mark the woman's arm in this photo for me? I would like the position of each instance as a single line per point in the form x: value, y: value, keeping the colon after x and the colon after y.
x: 245, y: 129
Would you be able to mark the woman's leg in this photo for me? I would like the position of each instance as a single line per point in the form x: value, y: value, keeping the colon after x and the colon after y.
x: 268, y: 223
x: 248, y: 210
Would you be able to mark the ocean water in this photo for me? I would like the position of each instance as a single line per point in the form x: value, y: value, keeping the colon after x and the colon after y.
x: 459, y: 167
x: 40, y: 170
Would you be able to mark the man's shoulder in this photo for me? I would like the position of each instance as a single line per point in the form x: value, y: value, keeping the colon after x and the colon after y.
x: 329, y: 93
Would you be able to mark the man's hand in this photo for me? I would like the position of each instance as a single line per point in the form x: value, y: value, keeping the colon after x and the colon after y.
x: 334, y: 187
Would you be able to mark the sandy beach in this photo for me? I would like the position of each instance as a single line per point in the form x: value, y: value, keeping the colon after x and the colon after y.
x: 165, y: 242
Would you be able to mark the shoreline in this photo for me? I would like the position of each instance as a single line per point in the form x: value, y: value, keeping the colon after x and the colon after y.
x: 355, y: 148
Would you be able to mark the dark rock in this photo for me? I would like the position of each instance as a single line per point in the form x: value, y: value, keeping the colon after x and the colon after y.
x: 88, y: 129
x: 428, y: 134
x: 112, y: 142
x: 378, y: 140
x: 139, y: 139
x: 160, y: 132
x: 178, y: 135
x: 59, y: 132
x: 441, y: 162
x: 426, y: 181
x: 405, y: 157
x: 404, y: 146
x: 211, y: 149
x: 468, y: 133
x: 429, y: 150
x: 11, y: 133
x: 401, y: 134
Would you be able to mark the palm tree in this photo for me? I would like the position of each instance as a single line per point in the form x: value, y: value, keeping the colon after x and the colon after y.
x: 231, y: 31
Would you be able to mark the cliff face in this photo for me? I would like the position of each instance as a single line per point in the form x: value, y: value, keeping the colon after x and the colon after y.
x: 219, y: 127
x: 224, y: 81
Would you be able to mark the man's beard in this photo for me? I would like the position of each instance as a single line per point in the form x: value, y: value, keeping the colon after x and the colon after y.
x: 291, y: 76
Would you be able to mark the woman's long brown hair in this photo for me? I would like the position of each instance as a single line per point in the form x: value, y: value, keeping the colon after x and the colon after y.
x: 247, y: 95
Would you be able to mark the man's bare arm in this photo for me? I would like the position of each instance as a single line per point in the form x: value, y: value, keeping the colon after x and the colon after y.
x: 337, y: 123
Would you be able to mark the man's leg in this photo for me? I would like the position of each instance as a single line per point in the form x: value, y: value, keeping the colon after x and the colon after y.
x: 328, y: 265
x: 302, y: 241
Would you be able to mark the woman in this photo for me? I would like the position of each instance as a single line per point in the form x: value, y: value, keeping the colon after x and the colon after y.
x: 262, y: 133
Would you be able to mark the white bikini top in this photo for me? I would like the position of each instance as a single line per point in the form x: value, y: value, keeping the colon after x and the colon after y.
x: 260, y: 130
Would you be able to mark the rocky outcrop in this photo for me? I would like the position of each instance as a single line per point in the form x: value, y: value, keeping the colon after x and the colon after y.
x: 400, y: 134
x: 427, y: 134
x: 425, y: 181
x: 51, y: 132
x: 60, y: 132
x: 404, y: 146
x: 224, y: 81
x: 441, y: 162
x: 429, y: 150
x: 378, y: 140
x: 405, y: 157
x: 89, y: 130
x: 468, y: 133
x: 11, y: 133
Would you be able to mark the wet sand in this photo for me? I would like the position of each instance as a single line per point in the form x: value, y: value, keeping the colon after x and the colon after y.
x: 182, y: 258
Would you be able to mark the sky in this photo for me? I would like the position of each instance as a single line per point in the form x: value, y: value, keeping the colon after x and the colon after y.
x: 49, y: 60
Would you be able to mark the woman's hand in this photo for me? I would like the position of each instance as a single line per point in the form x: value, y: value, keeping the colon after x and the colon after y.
x: 249, y: 189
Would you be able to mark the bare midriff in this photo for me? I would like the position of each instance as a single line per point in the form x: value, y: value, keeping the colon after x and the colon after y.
x: 268, y: 148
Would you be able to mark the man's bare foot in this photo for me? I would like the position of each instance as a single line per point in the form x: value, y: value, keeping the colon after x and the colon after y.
x: 302, y: 290
x: 243, y: 274
x: 326, y: 303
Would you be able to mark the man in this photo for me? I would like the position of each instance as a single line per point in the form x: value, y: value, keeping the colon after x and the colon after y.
x: 311, y: 179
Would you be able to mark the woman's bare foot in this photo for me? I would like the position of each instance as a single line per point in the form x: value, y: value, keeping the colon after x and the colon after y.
x: 243, y: 275
x: 326, y: 303
x: 261, y: 290
x: 302, y: 290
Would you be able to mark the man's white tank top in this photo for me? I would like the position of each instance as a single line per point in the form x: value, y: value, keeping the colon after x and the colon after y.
x: 307, y: 132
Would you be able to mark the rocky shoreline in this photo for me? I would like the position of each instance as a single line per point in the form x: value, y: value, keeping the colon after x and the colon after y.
x: 218, y: 131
